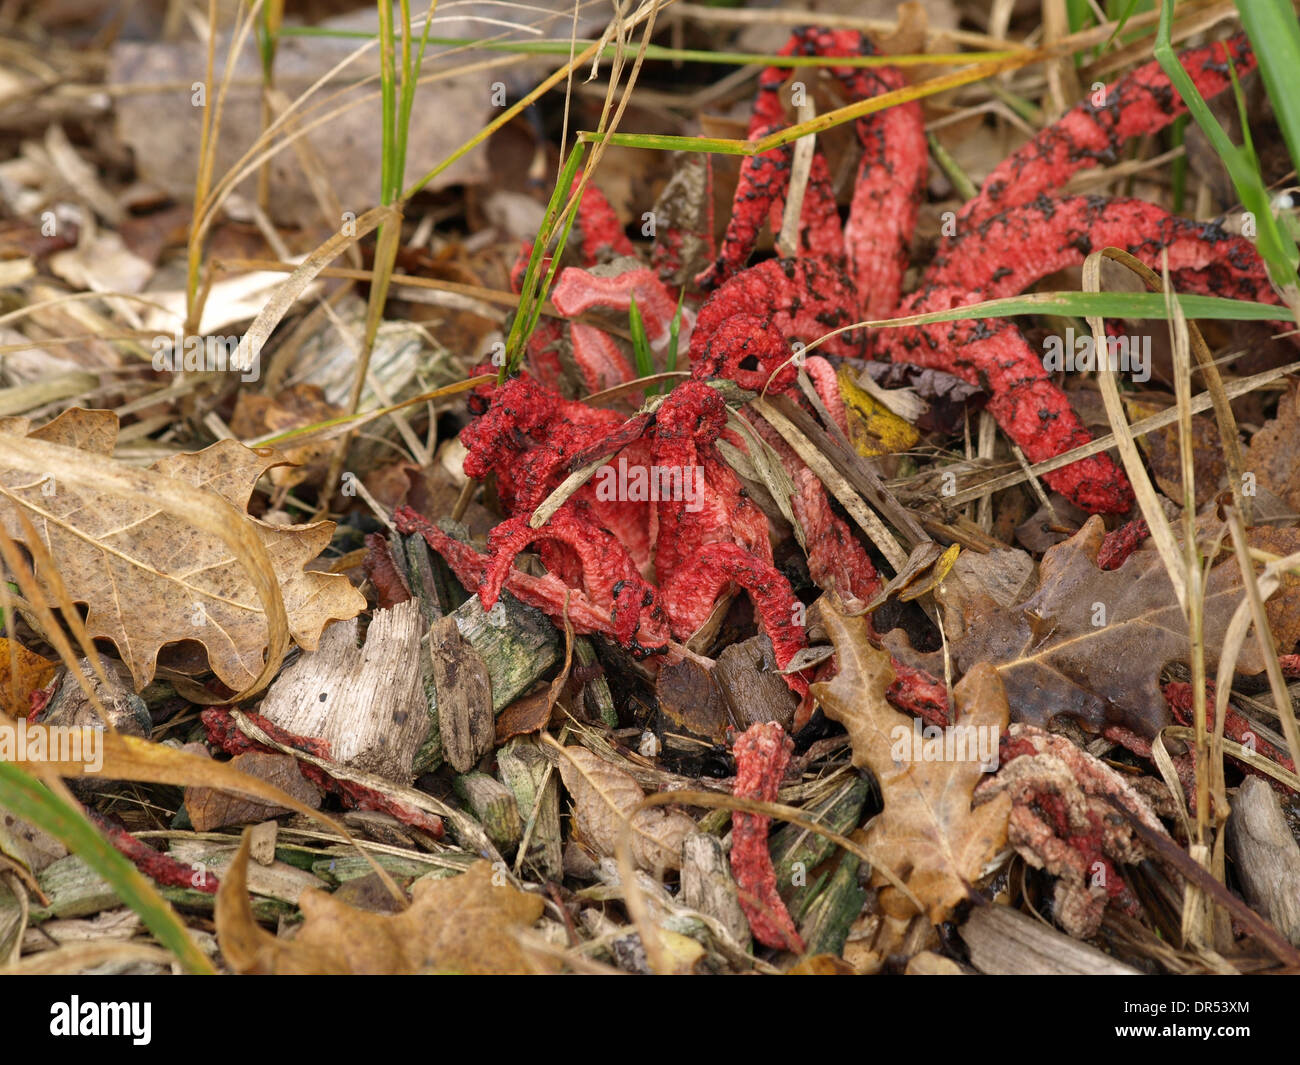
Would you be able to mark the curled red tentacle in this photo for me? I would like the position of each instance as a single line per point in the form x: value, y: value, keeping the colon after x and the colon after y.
x: 711, y: 505
x: 606, y: 573
x: 549, y: 593
x: 689, y: 594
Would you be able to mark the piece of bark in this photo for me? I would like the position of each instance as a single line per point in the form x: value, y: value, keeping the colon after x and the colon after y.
x: 211, y: 809
x: 1266, y: 856
x: 709, y: 887
x: 525, y: 770
x: 261, y: 842
x: 365, y: 703
x: 752, y: 688
x: 494, y: 805
x: 70, y: 707
x: 596, y: 696
x: 1005, y: 942
x: 689, y: 703
x: 464, y: 691
x: 519, y: 646
x: 825, y: 923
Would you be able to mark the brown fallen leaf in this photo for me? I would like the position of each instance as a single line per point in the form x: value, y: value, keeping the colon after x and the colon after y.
x: 149, y: 577
x: 21, y: 673
x: 1164, y: 455
x: 256, y: 415
x: 1092, y: 643
x: 210, y: 809
x: 461, y: 924
x: 927, y: 835
x: 1274, y: 452
x: 604, y: 796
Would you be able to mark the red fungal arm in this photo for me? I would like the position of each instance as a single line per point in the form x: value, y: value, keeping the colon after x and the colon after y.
x: 599, y: 357
x: 886, y: 197
x: 794, y: 299
x: 1049, y: 235
x: 1008, y: 252
x: 887, y: 192
x: 688, y: 596
x: 835, y: 558
x: 828, y: 389
x: 762, y: 755
x: 608, y: 576
x: 548, y: 594
x: 1118, y: 545
x: 1142, y: 102
x: 579, y: 291
x: 161, y: 868
x: 715, y: 508
x: 600, y: 237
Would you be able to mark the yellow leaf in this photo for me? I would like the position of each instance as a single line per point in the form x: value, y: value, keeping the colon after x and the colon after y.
x: 873, y: 428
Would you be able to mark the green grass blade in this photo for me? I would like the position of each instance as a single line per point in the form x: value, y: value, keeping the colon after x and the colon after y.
x: 645, y: 363
x: 1274, y: 244
x: 1134, y: 305
x: 1275, y: 36
x: 23, y: 795
x: 530, y: 302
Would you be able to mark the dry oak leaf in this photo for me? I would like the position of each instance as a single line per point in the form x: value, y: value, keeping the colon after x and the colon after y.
x: 1092, y: 643
x: 927, y: 835
x: 21, y: 673
x: 1274, y: 453
x: 148, y: 577
x: 461, y: 924
x: 603, y: 799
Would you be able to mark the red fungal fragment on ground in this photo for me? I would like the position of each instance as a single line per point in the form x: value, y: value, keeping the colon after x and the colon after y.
x: 1178, y: 694
x: 226, y: 735
x: 1118, y: 545
x: 1062, y: 821
x: 160, y: 868
x: 762, y: 754
x: 381, y: 571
